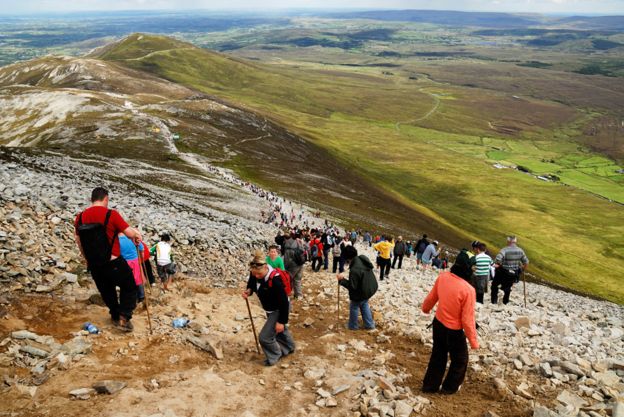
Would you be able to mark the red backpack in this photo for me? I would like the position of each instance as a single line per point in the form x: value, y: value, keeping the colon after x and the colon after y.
x: 286, y: 280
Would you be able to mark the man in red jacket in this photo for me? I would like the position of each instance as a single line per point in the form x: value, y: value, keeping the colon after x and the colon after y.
x: 454, y: 322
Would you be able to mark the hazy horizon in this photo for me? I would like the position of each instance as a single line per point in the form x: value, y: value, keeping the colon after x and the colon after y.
x: 559, y: 7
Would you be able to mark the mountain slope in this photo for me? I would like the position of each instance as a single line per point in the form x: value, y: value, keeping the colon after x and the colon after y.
x: 427, y: 156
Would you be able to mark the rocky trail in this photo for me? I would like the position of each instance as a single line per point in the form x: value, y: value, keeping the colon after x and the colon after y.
x: 563, y: 355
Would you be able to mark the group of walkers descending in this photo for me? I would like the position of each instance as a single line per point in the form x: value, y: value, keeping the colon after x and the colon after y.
x: 117, y: 257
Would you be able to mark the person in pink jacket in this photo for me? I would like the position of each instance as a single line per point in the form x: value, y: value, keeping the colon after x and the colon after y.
x: 454, y: 322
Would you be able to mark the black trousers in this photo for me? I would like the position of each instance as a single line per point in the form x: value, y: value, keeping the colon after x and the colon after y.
x: 149, y: 271
x: 504, y: 280
x: 116, y: 273
x: 316, y: 263
x: 446, y: 342
x: 394, y: 261
x: 384, y: 268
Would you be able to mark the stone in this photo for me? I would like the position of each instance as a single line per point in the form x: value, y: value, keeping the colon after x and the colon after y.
x: 77, y: 346
x: 522, y: 321
x: 545, y: 369
x: 500, y: 386
x: 70, y: 278
x: 323, y: 393
x: 568, y: 398
x: 608, y: 378
x: 572, y: 368
x: 402, y: 409
x: 517, y: 364
x: 541, y: 411
x: 108, y: 386
x: 26, y: 390
x: 618, y: 409
x: 207, y: 344
x: 340, y: 389
x: 82, y: 393
x: 308, y: 322
x: 384, y: 384
x: 314, y: 373
x: 331, y: 402
x: 34, y: 351
x: 490, y: 414
x: 24, y: 334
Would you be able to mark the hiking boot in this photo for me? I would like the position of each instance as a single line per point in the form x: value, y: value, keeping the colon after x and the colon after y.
x: 125, y: 325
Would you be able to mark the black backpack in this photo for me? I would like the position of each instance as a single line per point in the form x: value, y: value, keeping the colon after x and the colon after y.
x: 369, y: 284
x: 94, y: 241
x: 300, y: 256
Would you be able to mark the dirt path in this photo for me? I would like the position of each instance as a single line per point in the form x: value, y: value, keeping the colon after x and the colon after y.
x: 167, y: 376
x: 427, y: 115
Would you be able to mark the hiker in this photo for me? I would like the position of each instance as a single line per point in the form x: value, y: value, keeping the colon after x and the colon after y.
x: 275, y: 338
x: 328, y: 241
x: 337, y: 259
x: 129, y: 252
x: 354, y: 236
x: 148, y: 265
x: 316, y: 253
x: 421, y: 245
x: 454, y: 322
x: 274, y: 259
x: 345, y: 242
x: 408, y: 249
x: 96, y: 231
x: 482, y: 263
x: 164, y: 260
x: 510, y: 263
x: 429, y: 253
x: 400, y: 249
x: 295, y: 256
x: 279, y: 240
x: 368, y: 239
x: 383, y: 260
x: 362, y: 285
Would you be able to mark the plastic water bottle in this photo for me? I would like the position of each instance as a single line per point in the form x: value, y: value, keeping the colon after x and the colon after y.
x: 180, y: 322
x: 90, y: 327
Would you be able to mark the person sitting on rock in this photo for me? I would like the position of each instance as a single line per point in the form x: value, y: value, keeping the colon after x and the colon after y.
x: 275, y: 338
x: 361, y: 284
x: 274, y: 259
x: 96, y: 231
x: 454, y: 322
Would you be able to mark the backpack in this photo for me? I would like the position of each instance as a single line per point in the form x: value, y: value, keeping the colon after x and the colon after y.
x: 369, y: 284
x: 94, y: 241
x: 314, y: 251
x: 300, y: 255
x: 286, y: 280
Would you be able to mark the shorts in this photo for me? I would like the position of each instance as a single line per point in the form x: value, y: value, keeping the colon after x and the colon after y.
x: 419, y: 256
x: 164, y: 271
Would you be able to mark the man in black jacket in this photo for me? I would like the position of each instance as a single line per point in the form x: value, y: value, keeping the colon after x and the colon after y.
x: 361, y: 284
x: 399, y: 252
x: 275, y: 338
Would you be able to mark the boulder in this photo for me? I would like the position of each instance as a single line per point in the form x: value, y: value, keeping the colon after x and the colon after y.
x: 108, y: 386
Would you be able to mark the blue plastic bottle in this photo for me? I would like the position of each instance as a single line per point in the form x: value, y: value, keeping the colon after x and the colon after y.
x: 90, y: 327
x: 180, y: 322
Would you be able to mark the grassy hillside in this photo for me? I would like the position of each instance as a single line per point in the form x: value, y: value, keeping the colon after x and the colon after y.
x: 432, y: 147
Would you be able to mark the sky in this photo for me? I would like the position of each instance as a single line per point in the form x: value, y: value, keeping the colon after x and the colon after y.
x: 534, y: 6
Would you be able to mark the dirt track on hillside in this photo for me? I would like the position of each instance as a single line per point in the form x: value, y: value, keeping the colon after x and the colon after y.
x: 167, y: 376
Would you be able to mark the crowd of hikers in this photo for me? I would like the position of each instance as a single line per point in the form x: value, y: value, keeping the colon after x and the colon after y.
x: 117, y: 257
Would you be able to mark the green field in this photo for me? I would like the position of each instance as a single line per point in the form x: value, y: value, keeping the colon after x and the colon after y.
x: 436, y: 153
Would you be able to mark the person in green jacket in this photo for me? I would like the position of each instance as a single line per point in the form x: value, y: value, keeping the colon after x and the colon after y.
x: 361, y: 284
x: 274, y: 259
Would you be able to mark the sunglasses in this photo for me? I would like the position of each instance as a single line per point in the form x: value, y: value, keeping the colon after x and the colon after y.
x: 256, y: 264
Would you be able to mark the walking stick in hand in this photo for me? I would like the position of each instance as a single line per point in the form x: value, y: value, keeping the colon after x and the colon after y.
x: 149, y: 319
x: 338, y: 301
x: 253, y: 327
x: 525, y: 290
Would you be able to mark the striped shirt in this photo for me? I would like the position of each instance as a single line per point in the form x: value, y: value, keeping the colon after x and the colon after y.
x: 511, y: 258
x: 483, y: 262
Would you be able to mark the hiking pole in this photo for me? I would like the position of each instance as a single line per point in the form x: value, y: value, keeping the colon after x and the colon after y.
x: 253, y: 327
x: 144, y: 270
x: 338, y: 301
x: 149, y: 319
x: 525, y: 290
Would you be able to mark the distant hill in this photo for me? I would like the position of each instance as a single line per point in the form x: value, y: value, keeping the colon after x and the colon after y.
x: 448, y: 17
x: 612, y: 23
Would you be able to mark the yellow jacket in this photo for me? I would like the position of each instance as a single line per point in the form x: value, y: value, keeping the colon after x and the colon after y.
x: 384, y: 249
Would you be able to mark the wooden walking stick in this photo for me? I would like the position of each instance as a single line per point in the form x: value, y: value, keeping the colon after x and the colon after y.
x: 338, y: 301
x: 525, y: 290
x: 253, y: 327
x: 149, y: 319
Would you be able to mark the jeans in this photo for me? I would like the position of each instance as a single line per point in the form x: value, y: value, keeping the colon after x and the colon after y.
x: 275, y: 345
x: 400, y: 258
x: 338, y: 264
x: 325, y: 259
x: 446, y: 342
x: 367, y: 316
x: 505, y: 280
x: 384, y: 268
x: 140, y: 293
x: 116, y: 273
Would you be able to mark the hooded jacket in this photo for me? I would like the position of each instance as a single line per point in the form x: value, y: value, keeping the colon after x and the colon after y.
x: 361, y: 277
